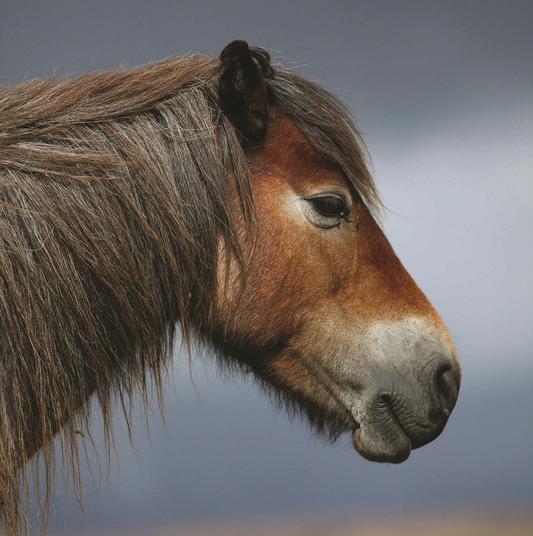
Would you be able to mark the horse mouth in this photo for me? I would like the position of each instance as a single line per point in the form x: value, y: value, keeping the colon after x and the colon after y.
x: 393, y: 421
x: 379, y: 436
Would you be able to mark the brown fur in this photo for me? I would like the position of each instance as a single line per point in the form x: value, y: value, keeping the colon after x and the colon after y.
x: 114, y: 201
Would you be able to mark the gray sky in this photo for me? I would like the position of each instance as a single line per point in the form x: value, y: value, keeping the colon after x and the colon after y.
x: 444, y: 91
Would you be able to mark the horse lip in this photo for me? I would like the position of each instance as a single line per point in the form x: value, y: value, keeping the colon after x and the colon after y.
x: 384, y: 442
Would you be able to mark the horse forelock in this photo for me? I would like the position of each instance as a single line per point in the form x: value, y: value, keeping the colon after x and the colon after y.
x: 330, y: 128
x: 114, y: 200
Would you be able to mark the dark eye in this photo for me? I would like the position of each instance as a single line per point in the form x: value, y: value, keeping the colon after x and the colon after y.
x: 327, y: 209
x: 330, y: 206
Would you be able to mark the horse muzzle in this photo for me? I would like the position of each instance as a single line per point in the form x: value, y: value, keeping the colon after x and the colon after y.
x: 407, y: 403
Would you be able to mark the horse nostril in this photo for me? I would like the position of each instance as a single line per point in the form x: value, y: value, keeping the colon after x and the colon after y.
x: 447, y: 383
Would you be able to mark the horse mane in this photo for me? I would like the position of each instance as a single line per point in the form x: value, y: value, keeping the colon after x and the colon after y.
x: 113, y: 203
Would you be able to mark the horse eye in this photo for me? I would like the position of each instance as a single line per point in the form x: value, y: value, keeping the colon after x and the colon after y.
x: 326, y: 210
x: 330, y: 206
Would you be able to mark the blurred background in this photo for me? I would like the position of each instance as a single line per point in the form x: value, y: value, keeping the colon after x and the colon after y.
x: 444, y: 93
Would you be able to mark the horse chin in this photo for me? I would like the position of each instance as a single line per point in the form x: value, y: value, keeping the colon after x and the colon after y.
x: 387, y: 444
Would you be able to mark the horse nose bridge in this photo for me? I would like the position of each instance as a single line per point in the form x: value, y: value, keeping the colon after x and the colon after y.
x: 384, y: 289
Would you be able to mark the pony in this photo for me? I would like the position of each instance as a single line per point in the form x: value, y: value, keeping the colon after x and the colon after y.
x: 223, y: 200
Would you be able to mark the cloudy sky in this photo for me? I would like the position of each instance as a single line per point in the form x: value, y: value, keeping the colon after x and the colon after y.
x: 444, y: 93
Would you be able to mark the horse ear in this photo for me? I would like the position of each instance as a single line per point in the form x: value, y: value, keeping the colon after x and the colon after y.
x: 243, y: 90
